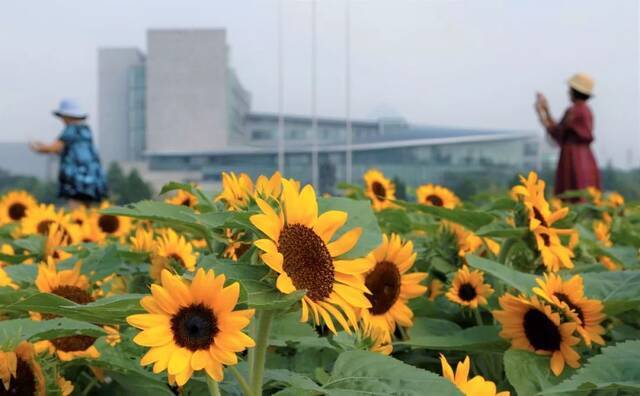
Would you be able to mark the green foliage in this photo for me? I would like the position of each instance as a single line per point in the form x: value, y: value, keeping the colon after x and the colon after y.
x: 126, y: 188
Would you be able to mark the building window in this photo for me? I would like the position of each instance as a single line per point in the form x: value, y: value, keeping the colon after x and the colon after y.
x: 261, y: 134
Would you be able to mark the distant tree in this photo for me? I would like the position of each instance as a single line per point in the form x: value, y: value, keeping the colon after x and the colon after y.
x: 136, y: 188
x: 125, y: 189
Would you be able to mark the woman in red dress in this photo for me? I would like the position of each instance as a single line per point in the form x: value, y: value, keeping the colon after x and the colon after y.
x: 577, y: 167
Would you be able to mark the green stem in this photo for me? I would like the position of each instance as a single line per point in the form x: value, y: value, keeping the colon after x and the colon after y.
x: 478, y: 315
x: 244, y: 385
x: 505, y: 249
x: 214, y: 390
x: 262, y: 342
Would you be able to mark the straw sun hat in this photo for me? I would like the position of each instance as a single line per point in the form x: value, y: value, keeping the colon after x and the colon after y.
x: 582, y: 83
x: 70, y: 108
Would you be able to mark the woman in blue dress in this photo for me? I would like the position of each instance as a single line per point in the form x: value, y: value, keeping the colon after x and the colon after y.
x: 81, y: 178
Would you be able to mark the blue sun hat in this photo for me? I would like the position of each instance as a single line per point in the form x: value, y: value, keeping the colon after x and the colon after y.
x: 70, y: 108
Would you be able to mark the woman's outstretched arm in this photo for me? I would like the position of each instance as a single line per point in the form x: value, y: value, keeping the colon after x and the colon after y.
x: 53, y: 148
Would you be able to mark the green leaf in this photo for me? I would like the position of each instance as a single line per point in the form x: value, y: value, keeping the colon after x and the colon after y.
x: 470, y: 219
x: 529, y: 373
x: 519, y: 280
x: 262, y: 296
x: 615, y: 368
x: 362, y: 372
x: 287, y: 329
x: 360, y: 215
x: 394, y: 220
x: 298, y: 381
x: 33, y: 243
x: 110, y: 310
x: 619, y: 290
x: 102, y: 262
x: 477, y: 338
x: 22, y: 273
x: 499, y: 230
x: 12, y: 331
x: 15, y: 259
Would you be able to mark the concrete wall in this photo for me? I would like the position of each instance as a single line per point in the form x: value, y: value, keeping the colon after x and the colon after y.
x: 186, y: 90
x: 113, y: 111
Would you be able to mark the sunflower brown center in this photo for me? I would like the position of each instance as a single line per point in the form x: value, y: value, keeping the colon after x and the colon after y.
x: 186, y: 202
x: 538, y: 215
x: 77, y: 342
x: 541, y: 332
x: 434, y: 200
x: 43, y: 227
x: 178, y: 259
x: 565, y: 299
x: 546, y: 238
x: 242, y: 249
x: 307, y: 261
x: 17, y: 211
x: 384, y: 284
x: 467, y: 292
x: 24, y: 383
x: 194, y: 327
x: 108, y: 224
x: 379, y: 190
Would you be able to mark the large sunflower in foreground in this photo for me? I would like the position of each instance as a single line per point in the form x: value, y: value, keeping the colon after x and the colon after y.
x: 532, y: 325
x: 14, y: 206
x: 20, y: 373
x: 476, y: 386
x: 300, y: 249
x: 468, y: 288
x: 569, y: 296
x: 380, y: 190
x: 434, y: 195
x: 192, y: 327
x: 391, y: 286
x: 236, y: 190
x: 73, y: 286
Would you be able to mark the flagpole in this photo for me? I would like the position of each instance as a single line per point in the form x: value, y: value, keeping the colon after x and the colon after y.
x: 349, y: 154
x: 314, y: 119
x: 280, y: 92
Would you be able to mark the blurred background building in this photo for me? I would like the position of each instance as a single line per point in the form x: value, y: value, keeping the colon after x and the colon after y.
x: 179, y: 112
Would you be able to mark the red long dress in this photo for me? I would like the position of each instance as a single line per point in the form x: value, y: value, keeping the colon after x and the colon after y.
x: 577, y: 167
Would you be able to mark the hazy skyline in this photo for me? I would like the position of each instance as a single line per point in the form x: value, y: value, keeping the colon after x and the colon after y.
x: 463, y: 63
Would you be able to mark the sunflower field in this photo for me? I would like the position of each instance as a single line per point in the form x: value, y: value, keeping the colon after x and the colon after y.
x: 269, y: 289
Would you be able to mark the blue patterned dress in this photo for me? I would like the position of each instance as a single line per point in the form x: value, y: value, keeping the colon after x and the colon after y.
x: 81, y: 176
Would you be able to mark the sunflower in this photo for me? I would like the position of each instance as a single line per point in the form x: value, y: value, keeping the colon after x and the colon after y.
x: 66, y: 387
x: 79, y: 216
x: 142, y: 241
x: 554, y: 254
x: 379, y: 189
x: 435, y: 289
x: 595, y: 196
x: 171, y: 246
x: 58, y: 238
x: 434, y: 195
x: 236, y: 190
x: 191, y: 327
x: 39, y: 219
x: 183, y: 198
x: 532, y: 194
x: 269, y: 187
x: 468, y: 288
x: 602, y: 233
x: 7, y: 250
x: 73, y: 286
x: 14, y: 206
x: 110, y: 225
x: 20, y: 372
x: 569, y: 296
x: 468, y: 242
x: 113, y: 337
x: 615, y: 200
x: 476, y: 386
x: 608, y: 263
x: 391, y: 286
x: 298, y: 248
x: 532, y: 325
x: 236, y: 247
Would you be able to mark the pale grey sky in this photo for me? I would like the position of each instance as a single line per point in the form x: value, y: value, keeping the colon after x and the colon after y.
x: 459, y: 63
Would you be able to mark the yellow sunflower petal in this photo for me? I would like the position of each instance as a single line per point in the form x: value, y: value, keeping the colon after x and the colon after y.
x: 345, y: 243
